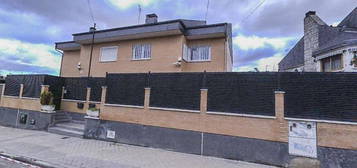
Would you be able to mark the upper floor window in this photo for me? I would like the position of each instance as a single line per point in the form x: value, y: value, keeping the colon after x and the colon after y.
x: 141, y: 51
x: 197, y: 53
x: 331, y: 64
x: 108, y: 54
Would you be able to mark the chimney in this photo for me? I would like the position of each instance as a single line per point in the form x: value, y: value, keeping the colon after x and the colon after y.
x: 151, y: 18
x: 312, y: 22
x: 310, y: 13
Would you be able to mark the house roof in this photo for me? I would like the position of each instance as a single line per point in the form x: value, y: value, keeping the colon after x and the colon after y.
x: 192, y: 29
x: 294, y: 58
x: 341, y: 40
x: 350, y: 20
x: 330, y: 38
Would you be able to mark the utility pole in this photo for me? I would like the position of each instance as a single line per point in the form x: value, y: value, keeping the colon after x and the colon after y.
x: 91, y: 29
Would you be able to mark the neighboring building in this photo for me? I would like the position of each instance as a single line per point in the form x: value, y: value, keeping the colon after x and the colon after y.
x: 324, y: 48
x: 168, y: 46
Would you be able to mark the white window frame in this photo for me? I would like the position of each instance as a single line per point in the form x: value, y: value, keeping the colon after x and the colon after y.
x: 187, y: 53
x: 109, y: 47
x: 142, y: 54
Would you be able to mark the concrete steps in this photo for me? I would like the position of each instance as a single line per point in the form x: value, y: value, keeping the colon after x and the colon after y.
x: 73, y: 129
x: 61, y: 117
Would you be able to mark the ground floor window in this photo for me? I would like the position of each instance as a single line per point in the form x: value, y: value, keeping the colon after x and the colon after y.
x: 331, y: 64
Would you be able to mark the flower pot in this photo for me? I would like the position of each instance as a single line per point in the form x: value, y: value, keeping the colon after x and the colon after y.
x: 48, y: 108
x: 93, y: 113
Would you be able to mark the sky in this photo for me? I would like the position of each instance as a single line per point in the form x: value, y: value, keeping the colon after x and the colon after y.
x: 263, y: 30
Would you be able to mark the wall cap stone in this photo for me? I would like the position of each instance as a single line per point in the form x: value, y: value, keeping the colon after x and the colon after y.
x: 241, y: 115
x: 322, y: 121
x: 31, y: 98
x: 14, y: 97
x: 173, y: 109
x: 70, y: 100
x: 279, y: 92
x: 122, y: 105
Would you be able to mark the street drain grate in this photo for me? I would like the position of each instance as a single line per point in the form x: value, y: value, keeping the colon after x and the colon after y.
x: 65, y: 137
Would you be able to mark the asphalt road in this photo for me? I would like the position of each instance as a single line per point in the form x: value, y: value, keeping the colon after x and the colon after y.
x: 11, y: 163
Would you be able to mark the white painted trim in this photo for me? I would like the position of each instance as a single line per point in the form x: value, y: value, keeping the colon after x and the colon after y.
x: 30, y: 98
x: 322, y: 121
x: 122, y: 105
x: 95, y: 102
x: 279, y: 92
x: 2, y: 84
x: 89, y: 117
x: 241, y: 115
x: 70, y: 100
x: 15, y: 97
x: 173, y: 109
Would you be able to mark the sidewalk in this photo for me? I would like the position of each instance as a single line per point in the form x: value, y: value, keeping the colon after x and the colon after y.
x: 70, y: 152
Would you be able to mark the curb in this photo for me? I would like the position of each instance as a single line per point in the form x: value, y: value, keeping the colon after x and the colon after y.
x: 28, y: 160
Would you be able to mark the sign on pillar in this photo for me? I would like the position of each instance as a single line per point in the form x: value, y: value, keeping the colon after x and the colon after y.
x: 302, y: 139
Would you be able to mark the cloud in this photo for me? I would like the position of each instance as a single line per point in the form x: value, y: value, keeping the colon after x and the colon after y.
x: 16, y: 55
x: 264, y: 34
x: 255, y: 42
x: 125, y: 4
x: 263, y: 64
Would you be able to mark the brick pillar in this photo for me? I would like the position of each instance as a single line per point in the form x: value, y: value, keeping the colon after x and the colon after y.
x: 2, y: 93
x: 103, y: 99
x: 282, y: 124
x: 279, y: 105
x: 21, y: 90
x: 88, y: 94
x: 62, y: 94
x: 203, y: 101
x: 103, y: 96
x: 147, y: 98
x: 87, y: 98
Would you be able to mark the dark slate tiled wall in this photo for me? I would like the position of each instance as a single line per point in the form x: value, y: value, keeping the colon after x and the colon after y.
x: 32, y: 85
x: 244, y: 93
x: 126, y: 89
x: 96, y: 88
x: 76, y: 88
x: 330, y: 96
x: 176, y: 90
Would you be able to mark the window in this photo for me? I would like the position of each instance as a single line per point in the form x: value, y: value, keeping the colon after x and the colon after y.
x: 197, y: 53
x: 108, y: 54
x: 331, y: 64
x: 141, y: 51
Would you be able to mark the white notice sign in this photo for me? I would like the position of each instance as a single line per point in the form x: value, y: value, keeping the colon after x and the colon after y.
x: 110, y: 134
x: 302, y: 139
x: 302, y: 147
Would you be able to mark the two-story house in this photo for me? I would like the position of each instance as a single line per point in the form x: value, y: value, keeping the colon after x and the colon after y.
x: 167, y: 46
x: 324, y: 48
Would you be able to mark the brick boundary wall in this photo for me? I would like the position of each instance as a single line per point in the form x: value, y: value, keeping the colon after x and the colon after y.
x: 249, y: 137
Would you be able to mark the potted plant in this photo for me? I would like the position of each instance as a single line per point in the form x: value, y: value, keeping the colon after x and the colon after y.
x: 93, y: 112
x: 46, y: 100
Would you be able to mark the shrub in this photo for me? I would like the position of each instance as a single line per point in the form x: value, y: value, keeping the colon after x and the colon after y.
x: 46, y: 98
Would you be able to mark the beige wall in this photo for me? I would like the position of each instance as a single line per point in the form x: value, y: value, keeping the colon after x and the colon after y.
x: 218, y: 60
x: 266, y: 128
x: 329, y: 134
x: 69, y: 64
x: 165, y: 51
x: 23, y: 103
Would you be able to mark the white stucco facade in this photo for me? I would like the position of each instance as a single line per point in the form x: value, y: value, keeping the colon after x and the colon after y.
x: 348, y: 55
